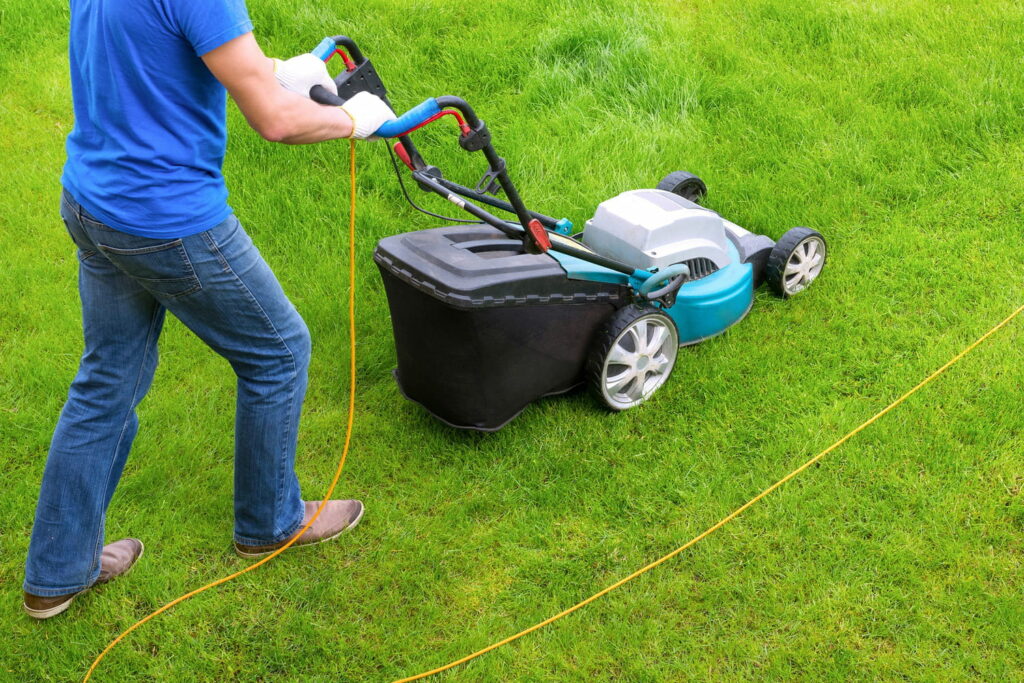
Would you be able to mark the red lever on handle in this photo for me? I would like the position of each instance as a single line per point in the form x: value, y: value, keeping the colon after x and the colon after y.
x: 539, y: 235
x: 404, y: 155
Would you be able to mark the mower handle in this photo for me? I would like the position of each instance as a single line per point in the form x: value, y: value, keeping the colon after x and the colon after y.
x: 410, y: 119
x: 416, y: 116
x: 391, y: 129
x: 360, y: 77
x: 319, y: 93
x: 327, y: 47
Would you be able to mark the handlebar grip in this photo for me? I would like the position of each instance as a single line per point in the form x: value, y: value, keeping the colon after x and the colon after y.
x: 325, y: 49
x: 391, y: 129
x: 409, y: 119
x: 319, y: 93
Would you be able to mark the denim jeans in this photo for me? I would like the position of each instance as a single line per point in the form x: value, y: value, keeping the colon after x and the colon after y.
x: 218, y: 285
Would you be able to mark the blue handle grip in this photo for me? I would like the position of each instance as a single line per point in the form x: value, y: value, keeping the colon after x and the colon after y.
x: 325, y: 49
x: 409, y: 119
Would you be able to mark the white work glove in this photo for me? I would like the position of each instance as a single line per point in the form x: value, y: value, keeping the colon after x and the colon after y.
x: 368, y: 113
x: 301, y: 73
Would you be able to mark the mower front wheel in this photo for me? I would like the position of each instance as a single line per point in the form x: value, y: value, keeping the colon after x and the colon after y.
x: 632, y: 356
x: 795, y: 261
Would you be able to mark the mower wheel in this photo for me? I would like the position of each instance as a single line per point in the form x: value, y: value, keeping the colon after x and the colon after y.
x: 795, y: 261
x: 686, y: 185
x: 632, y: 356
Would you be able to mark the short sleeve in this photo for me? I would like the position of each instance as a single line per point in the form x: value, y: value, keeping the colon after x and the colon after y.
x: 208, y: 24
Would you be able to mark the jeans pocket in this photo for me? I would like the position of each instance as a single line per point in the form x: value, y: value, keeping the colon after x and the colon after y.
x: 85, y: 250
x: 163, y: 268
x: 81, y: 240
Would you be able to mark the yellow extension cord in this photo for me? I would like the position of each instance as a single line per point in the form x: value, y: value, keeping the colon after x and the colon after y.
x: 348, y: 437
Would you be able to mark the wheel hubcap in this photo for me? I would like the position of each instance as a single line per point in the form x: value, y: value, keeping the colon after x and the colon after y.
x: 804, y: 265
x: 639, y: 361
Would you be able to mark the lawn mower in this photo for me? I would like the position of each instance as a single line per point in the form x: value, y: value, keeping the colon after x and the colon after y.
x: 489, y: 316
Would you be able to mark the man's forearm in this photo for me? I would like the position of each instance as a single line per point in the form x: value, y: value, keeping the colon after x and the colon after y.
x: 301, y: 121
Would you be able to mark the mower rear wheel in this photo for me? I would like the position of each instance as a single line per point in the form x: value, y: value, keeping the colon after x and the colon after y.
x: 684, y: 184
x: 632, y: 356
x: 795, y: 261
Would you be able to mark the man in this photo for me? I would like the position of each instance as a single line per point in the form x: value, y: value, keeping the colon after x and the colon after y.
x: 146, y: 204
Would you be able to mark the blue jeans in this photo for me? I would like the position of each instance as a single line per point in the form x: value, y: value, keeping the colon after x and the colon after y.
x: 218, y: 285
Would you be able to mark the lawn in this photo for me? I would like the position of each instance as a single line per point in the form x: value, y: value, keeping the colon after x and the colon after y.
x: 894, y: 128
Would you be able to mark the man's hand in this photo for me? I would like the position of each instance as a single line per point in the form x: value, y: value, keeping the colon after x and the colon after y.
x: 301, y: 73
x: 275, y: 113
x: 368, y: 113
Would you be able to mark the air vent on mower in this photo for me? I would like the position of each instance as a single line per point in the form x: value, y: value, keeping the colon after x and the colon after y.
x: 700, y: 267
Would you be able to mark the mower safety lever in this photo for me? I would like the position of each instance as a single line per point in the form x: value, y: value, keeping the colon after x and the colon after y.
x: 463, y: 106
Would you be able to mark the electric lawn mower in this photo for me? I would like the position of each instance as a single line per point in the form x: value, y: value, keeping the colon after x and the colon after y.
x: 490, y: 316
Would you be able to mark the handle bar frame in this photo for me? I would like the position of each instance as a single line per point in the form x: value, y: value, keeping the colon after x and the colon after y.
x: 363, y: 77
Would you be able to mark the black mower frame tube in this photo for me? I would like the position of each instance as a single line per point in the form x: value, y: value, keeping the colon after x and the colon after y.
x: 430, y: 183
x: 353, y: 50
x: 477, y: 139
x: 469, y: 193
x: 592, y: 257
x: 501, y: 175
x: 512, y: 230
x: 496, y: 163
x: 463, y: 106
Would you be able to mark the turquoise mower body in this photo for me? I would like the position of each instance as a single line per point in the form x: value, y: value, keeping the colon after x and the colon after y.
x: 703, y: 308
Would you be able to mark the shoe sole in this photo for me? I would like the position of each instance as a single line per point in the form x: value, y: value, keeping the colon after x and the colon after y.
x: 52, y: 611
x: 252, y: 556
x: 58, y: 609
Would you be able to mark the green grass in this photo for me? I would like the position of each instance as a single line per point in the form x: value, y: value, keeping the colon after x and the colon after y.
x: 895, y: 128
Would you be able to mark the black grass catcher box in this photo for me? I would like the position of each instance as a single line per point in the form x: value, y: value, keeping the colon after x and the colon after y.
x: 483, y: 328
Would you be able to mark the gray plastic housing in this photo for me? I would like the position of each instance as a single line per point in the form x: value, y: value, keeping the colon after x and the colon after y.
x: 654, y: 228
x: 754, y: 249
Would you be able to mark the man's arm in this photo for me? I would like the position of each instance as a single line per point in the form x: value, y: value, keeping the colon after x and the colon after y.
x: 275, y: 113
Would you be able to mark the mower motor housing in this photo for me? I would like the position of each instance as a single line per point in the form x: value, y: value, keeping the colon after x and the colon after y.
x: 652, y: 229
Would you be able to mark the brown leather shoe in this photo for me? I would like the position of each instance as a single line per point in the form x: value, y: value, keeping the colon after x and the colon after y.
x: 115, y: 560
x: 338, y: 517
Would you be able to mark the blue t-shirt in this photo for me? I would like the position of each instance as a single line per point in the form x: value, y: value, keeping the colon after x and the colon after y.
x: 148, y: 142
